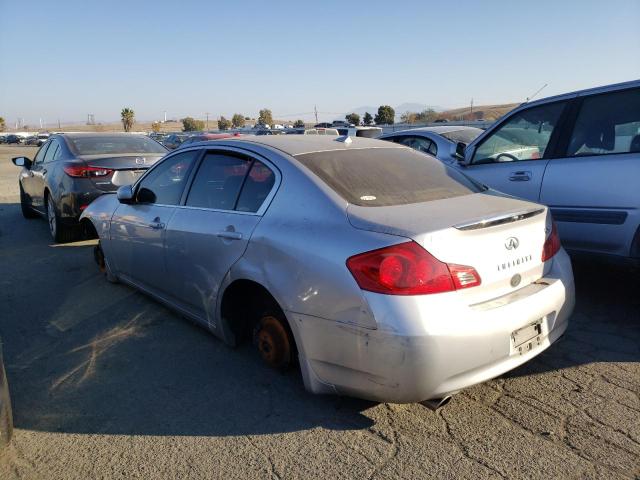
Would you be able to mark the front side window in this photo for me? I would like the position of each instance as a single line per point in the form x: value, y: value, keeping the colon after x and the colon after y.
x: 524, y: 136
x: 607, y: 124
x: 218, y: 181
x: 165, y: 182
x: 51, y: 151
x: 41, y: 153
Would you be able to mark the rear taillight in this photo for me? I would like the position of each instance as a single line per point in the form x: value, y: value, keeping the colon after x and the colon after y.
x: 78, y: 170
x: 408, y: 269
x: 551, y: 244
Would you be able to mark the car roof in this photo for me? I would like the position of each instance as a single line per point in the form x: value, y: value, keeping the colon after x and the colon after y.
x: 300, y: 144
x: 441, y: 129
x: 588, y: 91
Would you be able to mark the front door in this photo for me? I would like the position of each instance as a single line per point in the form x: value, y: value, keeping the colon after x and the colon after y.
x: 593, y: 189
x: 138, y: 229
x: 513, y: 157
x: 207, y: 235
x: 33, y: 180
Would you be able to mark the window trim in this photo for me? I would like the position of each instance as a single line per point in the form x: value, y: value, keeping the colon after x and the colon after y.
x: 550, y: 150
x: 252, y: 157
x: 199, y: 158
x: 44, y: 149
x: 571, y: 120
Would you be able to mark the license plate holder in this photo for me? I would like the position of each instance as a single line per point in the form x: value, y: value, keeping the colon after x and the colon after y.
x: 527, y: 338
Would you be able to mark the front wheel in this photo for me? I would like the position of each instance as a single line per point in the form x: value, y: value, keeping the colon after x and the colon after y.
x: 60, y: 233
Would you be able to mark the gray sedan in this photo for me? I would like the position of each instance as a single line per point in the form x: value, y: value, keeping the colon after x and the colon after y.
x: 385, y: 274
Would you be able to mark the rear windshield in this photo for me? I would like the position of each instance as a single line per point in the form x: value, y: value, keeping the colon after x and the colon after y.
x: 464, y: 136
x: 116, y: 144
x: 378, y: 177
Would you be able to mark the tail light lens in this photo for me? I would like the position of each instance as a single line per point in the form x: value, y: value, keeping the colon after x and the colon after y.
x: 551, y: 244
x: 408, y: 269
x: 79, y: 170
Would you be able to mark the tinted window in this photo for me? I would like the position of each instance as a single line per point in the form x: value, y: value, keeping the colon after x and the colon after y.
x: 41, y: 153
x: 165, y: 182
x: 387, y: 176
x: 218, y: 181
x: 524, y: 136
x: 51, y: 151
x: 607, y: 124
x: 256, y: 187
x: 420, y: 144
x: 116, y: 144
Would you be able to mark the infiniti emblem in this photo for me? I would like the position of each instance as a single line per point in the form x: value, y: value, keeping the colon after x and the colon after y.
x: 512, y: 243
x: 140, y: 160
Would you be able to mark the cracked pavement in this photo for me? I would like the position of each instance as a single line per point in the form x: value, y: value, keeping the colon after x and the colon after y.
x: 107, y: 383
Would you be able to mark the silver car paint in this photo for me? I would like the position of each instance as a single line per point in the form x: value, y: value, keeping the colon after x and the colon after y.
x: 349, y: 341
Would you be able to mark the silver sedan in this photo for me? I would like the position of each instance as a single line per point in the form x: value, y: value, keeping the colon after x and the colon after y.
x: 441, y: 141
x: 384, y: 274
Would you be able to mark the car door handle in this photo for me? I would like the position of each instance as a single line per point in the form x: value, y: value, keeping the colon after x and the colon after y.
x: 156, y: 225
x: 520, y: 176
x: 44, y: 172
x: 230, y: 235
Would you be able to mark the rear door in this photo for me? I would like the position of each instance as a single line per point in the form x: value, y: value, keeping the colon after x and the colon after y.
x: 593, y: 189
x: 208, y: 234
x: 138, y: 229
x: 513, y: 157
x: 40, y: 171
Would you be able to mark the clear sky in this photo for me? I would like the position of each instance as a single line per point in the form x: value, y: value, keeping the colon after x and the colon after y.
x: 65, y: 59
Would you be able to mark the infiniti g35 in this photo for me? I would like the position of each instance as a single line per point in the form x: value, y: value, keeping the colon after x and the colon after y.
x: 385, y: 274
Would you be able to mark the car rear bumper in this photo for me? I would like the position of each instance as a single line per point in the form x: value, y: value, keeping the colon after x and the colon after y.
x: 429, y: 347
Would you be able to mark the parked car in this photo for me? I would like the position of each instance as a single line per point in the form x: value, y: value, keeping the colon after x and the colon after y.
x: 6, y: 416
x: 578, y: 153
x: 384, y: 273
x: 441, y: 142
x: 206, y: 137
x: 14, y: 139
x: 72, y: 169
x: 323, y: 125
x: 174, y: 140
x: 368, y: 132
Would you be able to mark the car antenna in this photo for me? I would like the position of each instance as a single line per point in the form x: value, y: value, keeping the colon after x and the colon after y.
x: 536, y: 93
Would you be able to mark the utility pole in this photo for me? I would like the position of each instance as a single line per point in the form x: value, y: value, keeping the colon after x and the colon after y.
x: 472, y: 109
x: 315, y: 110
x: 58, y: 124
x: 207, y: 114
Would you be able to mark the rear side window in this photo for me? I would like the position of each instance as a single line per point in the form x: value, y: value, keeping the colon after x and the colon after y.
x: 41, y: 153
x: 51, y: 151
x: 607, y: 124
x: 256, y: 188
x: 377, y: 177
x: 218, y: 181
x: 420, y: 144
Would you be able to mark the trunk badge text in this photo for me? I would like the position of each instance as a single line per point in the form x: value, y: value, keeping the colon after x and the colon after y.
x: 514, y: 263
x: 512, y: 243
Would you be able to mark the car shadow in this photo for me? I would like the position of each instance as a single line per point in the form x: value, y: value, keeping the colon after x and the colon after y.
x: 605, y: 325
x: 86, y: 356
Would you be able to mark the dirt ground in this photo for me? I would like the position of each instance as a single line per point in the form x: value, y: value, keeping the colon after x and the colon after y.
x: 107, y: 383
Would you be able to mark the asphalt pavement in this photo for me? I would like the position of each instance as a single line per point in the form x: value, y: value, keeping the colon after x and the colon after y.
x: 107, y: 383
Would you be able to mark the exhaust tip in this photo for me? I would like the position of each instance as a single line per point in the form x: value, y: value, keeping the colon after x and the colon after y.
x: 436, y: 403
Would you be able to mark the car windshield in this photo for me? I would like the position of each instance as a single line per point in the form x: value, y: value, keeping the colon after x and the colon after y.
x: 376, y: 177
x: 116, y: 144
x: 465, y: 136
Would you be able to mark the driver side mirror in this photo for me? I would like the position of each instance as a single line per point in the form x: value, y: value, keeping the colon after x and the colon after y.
x: 22, y: 162
x: 458, y: 153
x: 125, y: 194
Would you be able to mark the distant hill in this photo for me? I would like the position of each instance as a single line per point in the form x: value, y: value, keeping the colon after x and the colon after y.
x: 400, y: 109
x: 480, y: 112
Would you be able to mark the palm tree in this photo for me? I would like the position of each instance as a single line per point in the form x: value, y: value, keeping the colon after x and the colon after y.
x: 128, y: 118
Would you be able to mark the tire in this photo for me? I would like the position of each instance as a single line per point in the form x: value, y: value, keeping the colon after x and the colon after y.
x: 274, y: 340
x: 103, y: 264
x: 61, y: 233
x: 27, y: 211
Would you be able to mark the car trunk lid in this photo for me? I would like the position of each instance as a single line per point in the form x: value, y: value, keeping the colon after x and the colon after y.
x: 499, y: 236
x: 126, y: 168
